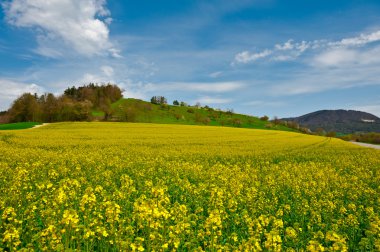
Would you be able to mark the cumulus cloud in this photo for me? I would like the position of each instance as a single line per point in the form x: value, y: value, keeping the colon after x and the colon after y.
x: 10, y: 90
x: 61, y: 25
x: 335, y: 52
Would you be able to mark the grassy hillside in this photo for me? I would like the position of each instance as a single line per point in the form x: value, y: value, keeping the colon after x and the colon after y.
x: 144, y: 187
x: 134, y: 110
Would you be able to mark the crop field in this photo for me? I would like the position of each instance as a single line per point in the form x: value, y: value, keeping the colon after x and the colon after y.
x: 148, y: 187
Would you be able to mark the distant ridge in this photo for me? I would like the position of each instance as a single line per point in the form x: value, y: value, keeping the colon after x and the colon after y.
x: 341, y: 121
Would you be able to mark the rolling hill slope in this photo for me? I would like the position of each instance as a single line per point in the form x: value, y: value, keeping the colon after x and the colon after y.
x: 134, y: 110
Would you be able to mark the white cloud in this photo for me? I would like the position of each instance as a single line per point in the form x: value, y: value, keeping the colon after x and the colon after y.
x: 215, y: 74
x: 245, y: 57
x: 286, y: 46
x: 324, y: 79
x: 115, y: 53
x: 61, y: 25
x: 204, y: 87
x: 361, y: 40
x: 137, y: 90
x: 212, y: 87
x: 336, y: 57
x: 373, y: 109
x: 213, y: 100
x: 107, y: 70
x: 10, y: 90
x: 105, y: 76
x: 343, y: 57
x: 99, y: 75
x: 260, y: 103
x: 281, y: 52
x: 282, y: 58
x: 333, y: 52
x: 144, y: 91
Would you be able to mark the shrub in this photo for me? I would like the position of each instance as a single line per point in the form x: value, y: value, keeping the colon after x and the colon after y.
x: 264, y: 118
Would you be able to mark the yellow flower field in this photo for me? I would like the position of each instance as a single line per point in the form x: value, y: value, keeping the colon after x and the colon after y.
x: 147, y: 187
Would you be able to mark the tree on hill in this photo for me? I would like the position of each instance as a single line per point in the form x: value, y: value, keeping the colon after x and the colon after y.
x: 105, y: 106
x: 176, y: 103
x: 159, y: 100
x: 24, y: 109
x: 276, y: 120
x: 100, y: 96
x: 97, y: 94
x: 4, y: 117
x: 49, y: 104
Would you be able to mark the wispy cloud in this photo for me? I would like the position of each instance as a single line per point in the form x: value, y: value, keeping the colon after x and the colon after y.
x: 260, y: 103
x: 205, y: 87
x: 336, y: 57
x: 373, y: 108
x: 212, y: 87
x: 360, y: 40
x: 246, y: 56
x: 320, y: 80
x: 338, y: 51
x: 107, y: 70
x: 209, y: 92
x: 343, y: 57
x: 289, y: 50
x: 213, y: 100
x: 81, y: 26
x: 215, y: 74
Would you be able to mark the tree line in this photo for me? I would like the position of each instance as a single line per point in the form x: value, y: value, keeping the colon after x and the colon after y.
x: 372, y: 137
x: 75, y: 104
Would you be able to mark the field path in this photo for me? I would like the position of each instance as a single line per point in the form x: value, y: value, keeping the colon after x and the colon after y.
x: 367, y: 145
x: 40, y: 125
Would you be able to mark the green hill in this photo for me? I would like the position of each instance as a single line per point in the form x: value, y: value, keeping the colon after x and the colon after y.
x: 134, y: 110
x: 16, y: 126
x: 105, y: 102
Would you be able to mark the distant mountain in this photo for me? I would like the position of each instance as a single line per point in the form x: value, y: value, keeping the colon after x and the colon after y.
x: 342, y: 121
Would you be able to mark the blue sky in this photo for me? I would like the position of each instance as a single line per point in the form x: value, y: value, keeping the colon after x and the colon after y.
x: 259, y: 57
